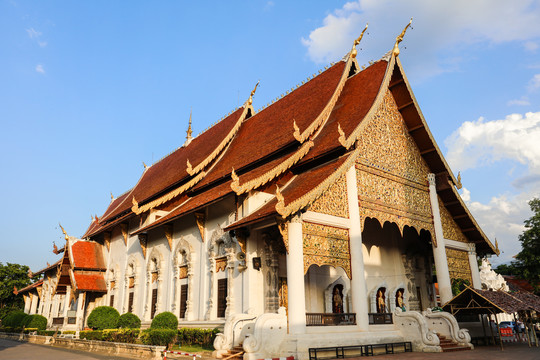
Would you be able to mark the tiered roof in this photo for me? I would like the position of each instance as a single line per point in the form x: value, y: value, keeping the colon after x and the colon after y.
x: 295, y: 148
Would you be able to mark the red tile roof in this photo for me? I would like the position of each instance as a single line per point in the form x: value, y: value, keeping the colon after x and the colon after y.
x: 49, y: 267
x: 88, y: 281
x: 31, y: 286
x: 87, y: 255
x: 171, y: 170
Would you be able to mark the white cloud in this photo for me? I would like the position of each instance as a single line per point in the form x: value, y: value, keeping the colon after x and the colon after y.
x: 33, y: 33
x: 534, y: 83
x: 40, y: 69
x: 440, y: 26
x: 481, y: 144
x: 531, y: 46
x: 478, y: 143
x: 519, y: 102
x: 36, y: 35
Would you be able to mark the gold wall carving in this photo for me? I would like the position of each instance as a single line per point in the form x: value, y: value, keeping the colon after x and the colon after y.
x: 200, y: 218
x: 154, y: 276
x: 168, y: 228
x: 391, y: 173
x: 124, y: 229
x: 451, y: 230
x: 458, y: 264
x: 326, y: 245
x: 143, y: 240
x: 131, y: 282
x: 221, y: 264
x: 183, y: 272
x: 334, y: 200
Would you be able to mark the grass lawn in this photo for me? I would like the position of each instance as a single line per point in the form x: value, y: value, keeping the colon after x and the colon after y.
x: 193, y: 348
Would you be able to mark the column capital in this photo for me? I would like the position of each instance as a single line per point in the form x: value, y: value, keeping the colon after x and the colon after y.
x: 431, y: 179
x: 296, y: 218
x: 471, y: 248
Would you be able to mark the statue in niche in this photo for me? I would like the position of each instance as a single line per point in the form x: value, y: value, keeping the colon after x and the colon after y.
x: 337, y: 300
x: 399, y: 299
x: 381, y: 305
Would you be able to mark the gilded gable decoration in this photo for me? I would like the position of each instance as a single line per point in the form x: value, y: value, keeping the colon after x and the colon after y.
x: 310, y: 197
x: 334, y: 200
x: 326, y: 245
x: 107, y: 239
x: 284, y: 231
x: 451, y: 230
x: 168, y: 229
x: 200, y: 218
x: 221, y: 264
x: 392, y: 187
x: 124, y: 229
x: 143, y: 240
x: 458, y: 264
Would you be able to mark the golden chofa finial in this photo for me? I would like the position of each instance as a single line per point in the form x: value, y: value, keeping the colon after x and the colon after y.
x: 250, y: 100
x: 400, y: 38
x: 112, y: 196
x: 144, y: 165
x: 458, y: 185
x: 189, y: 131
x: 64, y: 231
x: 354, y: 52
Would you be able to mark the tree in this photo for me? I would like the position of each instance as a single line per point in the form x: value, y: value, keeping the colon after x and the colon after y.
x: 528, y: 259
x: 12, y: 275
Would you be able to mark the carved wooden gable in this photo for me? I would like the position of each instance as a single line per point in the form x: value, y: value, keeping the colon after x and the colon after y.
x: 391, y: 173
x: 334, y: 200
x: 326, y: 245
x: 451, y: 230
x: 458, y: 264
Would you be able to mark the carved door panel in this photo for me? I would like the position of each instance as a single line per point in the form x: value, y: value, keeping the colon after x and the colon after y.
x: 183, y: 300
x: 283, y: 293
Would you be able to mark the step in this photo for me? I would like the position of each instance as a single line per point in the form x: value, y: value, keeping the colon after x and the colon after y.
x: 455, y: 348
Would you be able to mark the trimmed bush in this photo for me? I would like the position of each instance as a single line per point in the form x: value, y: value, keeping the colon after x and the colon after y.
x: 103, y: 317
x: 46, y: 332
x: 192, y: 336
x: 121, y: 335
x: 16, y: 319
x: 129, y: 320
x: 161, y: 337
x: 37, y: 321
x: 91, y: 335
x: 165, y: 320
x: 69, y: 332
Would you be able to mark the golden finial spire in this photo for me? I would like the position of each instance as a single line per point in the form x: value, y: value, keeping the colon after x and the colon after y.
x: 354, y: 52
x: 458, y: 185
x: 250, y: 100
x: 64, y: 231
x: 189, y: 131
x: 112, y: 196
x: 400, y: 39
x: 145, y: 166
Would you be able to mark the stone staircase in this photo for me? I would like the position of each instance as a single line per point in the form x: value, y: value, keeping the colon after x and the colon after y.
x: 448, y: 345
x: 236, y: 353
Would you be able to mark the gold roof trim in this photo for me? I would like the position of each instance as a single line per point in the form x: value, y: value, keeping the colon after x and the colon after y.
x: 354, y: 52
x: 325, y: 113
x: 171, y: 195
x: 314, y: 194
x: 247, y: 106
x: 271, y: 174
x: 348, y: 142
x: 399, y: 39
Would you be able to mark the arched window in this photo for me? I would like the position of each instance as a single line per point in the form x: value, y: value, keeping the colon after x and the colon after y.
x: 154, y: 282
x: 131, y: 284
x: 183, y: 280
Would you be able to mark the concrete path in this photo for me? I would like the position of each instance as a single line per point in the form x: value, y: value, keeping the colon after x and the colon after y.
x: 511, y: 351
x: 14, y: 350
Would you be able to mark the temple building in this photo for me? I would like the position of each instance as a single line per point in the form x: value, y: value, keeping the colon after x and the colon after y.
x: 328, y: 217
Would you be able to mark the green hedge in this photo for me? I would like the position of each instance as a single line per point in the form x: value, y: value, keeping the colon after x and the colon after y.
x: 46, y: 332
x: 194, y: 336
x: 103, y: 317
x: 69, y: 332
x: 16, y: 319
x: 129, y: 320
x: 91, y: 335
x: 37, y: 321
x: 129, y: 336
x: 165, y: 320
x: 161, y: 337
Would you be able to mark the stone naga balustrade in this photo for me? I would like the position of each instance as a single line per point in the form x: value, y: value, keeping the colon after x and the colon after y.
x: 415, y: 329
x: 237, y: 327
x: 446, y: 324
x: 268, y: 336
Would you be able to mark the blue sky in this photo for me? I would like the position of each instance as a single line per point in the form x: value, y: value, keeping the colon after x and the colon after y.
x: 90, y: 90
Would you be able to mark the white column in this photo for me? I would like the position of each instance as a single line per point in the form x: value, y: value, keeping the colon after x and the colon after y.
x: 80, y: 310
x: 358, y: 281
x: 473, y: 264
x: 295, y: 278
x: 33, y: 305
x: 439, y: 250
